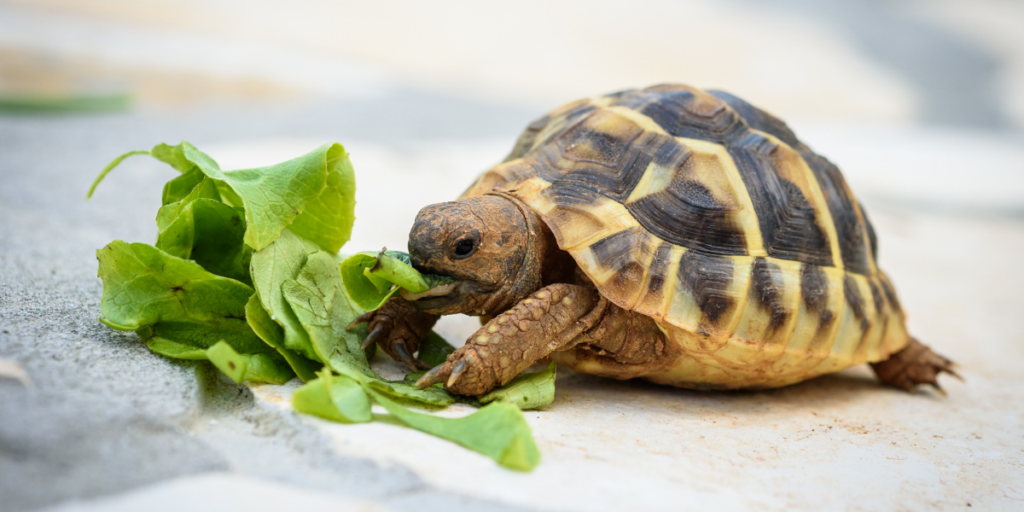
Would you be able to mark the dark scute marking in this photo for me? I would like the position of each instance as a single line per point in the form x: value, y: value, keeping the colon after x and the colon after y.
x: 686, y: 213
x: 814, y: 288
x: 876, y: 296
x: 872, y: 237
x: 707, y: 278
x: 826, y: 320
x: 767, y: 290
x: 853, y: 244
x: 617, y: 247
x: 759, y: 119
x: 789, y: 224
x: 528, y: 137
x: 682, y: 114
x: 890, y: 293
x: 659, y: 268
x: 544, y: 161
x: 851, y: 292
x: 620, y: 252
x: 613, y: 182
x: 561, y: 122
x: 695, y: 194
x: 583, y: 143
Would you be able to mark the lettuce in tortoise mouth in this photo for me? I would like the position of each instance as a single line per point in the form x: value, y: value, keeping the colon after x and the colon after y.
x: 372, y: 278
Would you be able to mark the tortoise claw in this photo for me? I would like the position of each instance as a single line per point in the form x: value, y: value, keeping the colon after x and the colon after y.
x: 372, y: 337
x: 432, y: 377
x: 954, y: 374
x: 361, y: 319
x: 403, y: 355
x: 456, y: 373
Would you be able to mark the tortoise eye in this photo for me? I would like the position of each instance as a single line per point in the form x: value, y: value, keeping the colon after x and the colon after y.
x: 463, y: 248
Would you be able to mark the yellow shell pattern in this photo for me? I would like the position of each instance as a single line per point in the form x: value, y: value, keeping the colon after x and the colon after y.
x: 708, y: 215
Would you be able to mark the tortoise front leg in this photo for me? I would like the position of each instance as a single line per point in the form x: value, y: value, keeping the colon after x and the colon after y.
x: 531, y: 330
x: 398, y: 328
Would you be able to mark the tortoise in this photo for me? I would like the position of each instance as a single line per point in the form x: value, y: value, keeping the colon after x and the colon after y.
x: 671, y: 234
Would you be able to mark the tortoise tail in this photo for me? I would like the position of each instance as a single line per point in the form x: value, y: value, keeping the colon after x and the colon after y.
x: 914, y: 365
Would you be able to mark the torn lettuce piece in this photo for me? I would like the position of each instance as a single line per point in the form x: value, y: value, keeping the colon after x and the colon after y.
x: 314, y: 194
x: 498, y: 431
x: 320, y: 304
x: 272, y: 334
x: 372, y: 278
x: 202, y: 228
x: 175, y: 301
x: 277, y: 263
x: 333, y: 397
x: 526, y: 391
x: 249, y: 367
x: 238, y: 367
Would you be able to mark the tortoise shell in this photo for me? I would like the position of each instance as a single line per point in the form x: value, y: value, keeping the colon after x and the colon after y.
x: 709, y: 215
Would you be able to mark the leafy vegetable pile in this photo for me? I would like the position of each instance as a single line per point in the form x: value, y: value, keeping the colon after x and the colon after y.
x: 245, y: 273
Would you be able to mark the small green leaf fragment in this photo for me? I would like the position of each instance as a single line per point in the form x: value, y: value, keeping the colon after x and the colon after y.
x: 175, y: 350
x: 335, y: 398
x: 238, y: 367
x: 527, y: 391
x: 498, y: 431
x: 369, y: 277
x: 227, y: 360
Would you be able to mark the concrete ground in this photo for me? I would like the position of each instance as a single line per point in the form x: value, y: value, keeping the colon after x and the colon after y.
x: 90, y: 420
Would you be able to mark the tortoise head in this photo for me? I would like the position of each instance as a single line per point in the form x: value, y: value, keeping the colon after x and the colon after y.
x: 491, y: 246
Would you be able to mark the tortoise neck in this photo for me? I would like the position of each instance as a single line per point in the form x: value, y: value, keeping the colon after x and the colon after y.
x: 530, y: 275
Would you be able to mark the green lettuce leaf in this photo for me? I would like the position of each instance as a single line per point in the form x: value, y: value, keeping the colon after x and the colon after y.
x: 272, y: 266
x: 175, y: 301
x: 333, y: 397
x: 498, y: 431
x: 272, y: 334
x: 202, y: 228
x: 144, y: 286
x: 277, y: 196
x: 372, y: 278
x: 313, y: 194
x: 527, y: 391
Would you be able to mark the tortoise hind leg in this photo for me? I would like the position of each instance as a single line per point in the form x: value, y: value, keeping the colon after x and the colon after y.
x: 914, y: 365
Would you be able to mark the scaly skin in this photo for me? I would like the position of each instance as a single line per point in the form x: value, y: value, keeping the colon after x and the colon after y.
x: 548, y: 321
x: 398, y: 328
x: 916, y: 364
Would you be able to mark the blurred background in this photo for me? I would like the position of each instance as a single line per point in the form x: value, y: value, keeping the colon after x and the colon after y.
x: 920, y: 103
x: 897, y: 62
